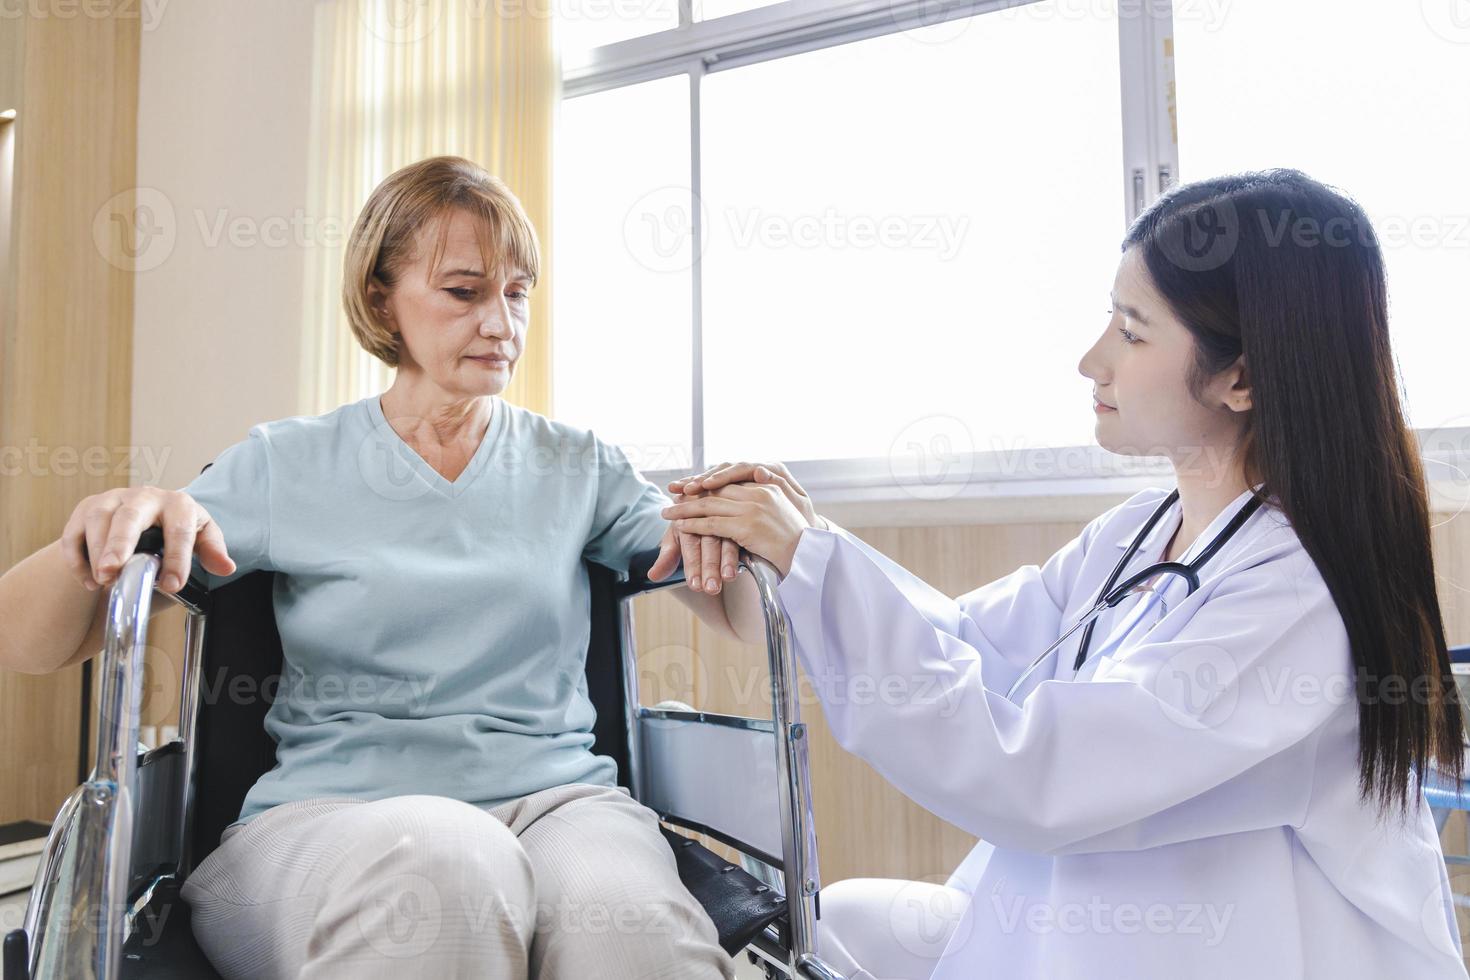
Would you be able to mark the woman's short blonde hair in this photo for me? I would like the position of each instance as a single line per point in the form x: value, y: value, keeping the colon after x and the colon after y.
x: 384, y: 240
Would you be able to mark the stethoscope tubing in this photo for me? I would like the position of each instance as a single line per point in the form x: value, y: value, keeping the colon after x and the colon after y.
x: 1112, y: 594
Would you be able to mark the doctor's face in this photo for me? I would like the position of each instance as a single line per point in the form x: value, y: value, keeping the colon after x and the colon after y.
x: 463, y: 325
x: 1139, y: 369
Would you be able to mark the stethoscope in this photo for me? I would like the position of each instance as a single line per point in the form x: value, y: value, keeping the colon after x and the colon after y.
x: 1111, y: 595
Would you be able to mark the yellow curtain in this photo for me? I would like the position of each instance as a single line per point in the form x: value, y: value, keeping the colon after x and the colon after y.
x: 399, y: 80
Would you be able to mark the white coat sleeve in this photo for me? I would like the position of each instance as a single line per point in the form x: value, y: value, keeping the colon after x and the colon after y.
x: 1029, y: 602
x: 1181, y: 738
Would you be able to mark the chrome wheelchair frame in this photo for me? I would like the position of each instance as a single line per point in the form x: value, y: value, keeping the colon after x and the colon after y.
x: 125, y: 836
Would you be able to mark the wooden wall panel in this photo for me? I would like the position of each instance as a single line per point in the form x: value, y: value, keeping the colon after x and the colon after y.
x: 66, y: 366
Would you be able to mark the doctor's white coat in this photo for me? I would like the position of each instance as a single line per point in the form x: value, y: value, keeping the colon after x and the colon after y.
x: 1186, y: 808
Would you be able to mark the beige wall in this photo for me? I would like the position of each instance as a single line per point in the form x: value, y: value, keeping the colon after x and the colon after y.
x: 224, y: 101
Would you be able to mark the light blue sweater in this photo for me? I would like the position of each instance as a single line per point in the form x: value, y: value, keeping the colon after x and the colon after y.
x: 434, y: 632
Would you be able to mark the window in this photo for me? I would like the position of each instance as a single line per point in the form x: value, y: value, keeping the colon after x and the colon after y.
x: 925, y: 247
x: 623, y: 252
x: 911, y: 257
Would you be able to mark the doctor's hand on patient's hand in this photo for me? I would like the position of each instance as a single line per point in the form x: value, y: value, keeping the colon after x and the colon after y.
x: 709, y: 561
x: 765, y: 517
x: 776, y: 474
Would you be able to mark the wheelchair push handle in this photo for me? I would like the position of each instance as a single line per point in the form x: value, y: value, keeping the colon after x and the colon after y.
x: 192, y: 594
x: 150, y: 542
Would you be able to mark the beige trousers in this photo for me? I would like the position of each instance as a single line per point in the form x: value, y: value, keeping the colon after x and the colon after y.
x: 574, y: 881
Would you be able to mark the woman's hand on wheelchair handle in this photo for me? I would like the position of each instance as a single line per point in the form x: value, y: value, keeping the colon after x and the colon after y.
x: 109, y: 525
x: 709, y: 561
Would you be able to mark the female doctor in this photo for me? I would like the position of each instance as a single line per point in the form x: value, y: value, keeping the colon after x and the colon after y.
x: 1216, y: 778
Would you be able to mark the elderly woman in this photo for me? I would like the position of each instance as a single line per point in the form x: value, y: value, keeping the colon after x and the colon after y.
x: 435, y: 808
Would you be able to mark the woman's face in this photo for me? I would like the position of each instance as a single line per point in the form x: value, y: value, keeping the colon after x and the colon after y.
x: 463, y: 326
x: 1139, y: 368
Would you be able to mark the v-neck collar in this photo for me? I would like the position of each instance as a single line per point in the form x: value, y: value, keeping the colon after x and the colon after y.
x: 431, y: 476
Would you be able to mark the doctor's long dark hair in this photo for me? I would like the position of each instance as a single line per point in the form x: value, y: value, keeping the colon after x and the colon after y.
x: 1288, y: 271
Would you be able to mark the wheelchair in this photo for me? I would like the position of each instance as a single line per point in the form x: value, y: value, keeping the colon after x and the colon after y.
x: 106, y: 905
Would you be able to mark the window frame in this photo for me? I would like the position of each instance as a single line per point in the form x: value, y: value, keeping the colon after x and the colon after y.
x: 791, y: 27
